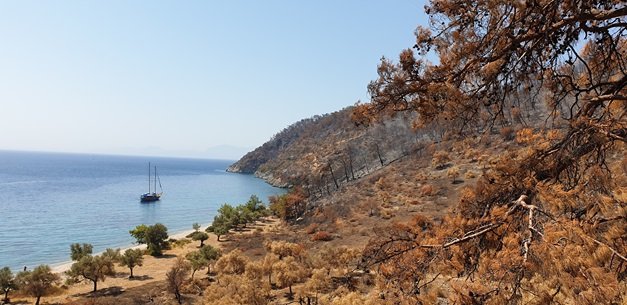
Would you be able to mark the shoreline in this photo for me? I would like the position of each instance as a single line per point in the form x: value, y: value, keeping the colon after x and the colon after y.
x: 62, y: 267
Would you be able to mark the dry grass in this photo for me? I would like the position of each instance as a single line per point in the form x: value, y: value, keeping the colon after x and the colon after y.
x: 395, y: 193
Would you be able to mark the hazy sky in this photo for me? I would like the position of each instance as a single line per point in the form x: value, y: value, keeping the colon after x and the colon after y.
x: 185, y: 78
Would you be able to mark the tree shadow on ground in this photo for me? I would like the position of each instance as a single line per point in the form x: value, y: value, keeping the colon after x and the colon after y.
x: 140, y: 278
x: 126, y: 275
x: 165, y: 256
x: 109, y: 291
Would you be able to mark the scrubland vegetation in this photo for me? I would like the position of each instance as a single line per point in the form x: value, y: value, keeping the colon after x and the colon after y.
x: 495, y: 176
x: 525, y: 113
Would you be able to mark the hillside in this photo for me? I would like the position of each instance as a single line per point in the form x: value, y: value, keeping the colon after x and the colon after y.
x: 323, y: 152
x: 495, y: 176
x: 525, y: 115
x: 250, y: 162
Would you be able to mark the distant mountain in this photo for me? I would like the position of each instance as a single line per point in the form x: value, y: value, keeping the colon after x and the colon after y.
x: 223, y: 152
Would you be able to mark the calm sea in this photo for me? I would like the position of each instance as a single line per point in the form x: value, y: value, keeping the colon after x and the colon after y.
x: 49, y: 200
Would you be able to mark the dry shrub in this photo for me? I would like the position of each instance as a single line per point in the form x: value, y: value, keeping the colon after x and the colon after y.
x: 421, y: 176
x: 525, y: 136
x: 312, y: 228
x: 470, y: 153
x: 440, y: 159
x: 467, y: 195
x: 381, y: 184
x: 621, y: 195
x: 427, y: 190
x: 322, y: 236
x: 386, y: 214
x: 339, y: 223
x: 459, y: 146
x: 554, y: 134
x: 467, y: 143
x: 470, y: 175
x: 421, y: 221
x: 453, y: 173
x: 507, y: 133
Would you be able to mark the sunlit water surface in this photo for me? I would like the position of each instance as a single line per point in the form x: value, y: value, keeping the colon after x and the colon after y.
x: 48, y: 201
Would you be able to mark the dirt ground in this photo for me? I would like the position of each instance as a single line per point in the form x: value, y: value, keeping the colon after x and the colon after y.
x: 148, y: 283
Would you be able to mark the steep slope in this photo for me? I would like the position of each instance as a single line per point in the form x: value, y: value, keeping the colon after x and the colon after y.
x: 250, y: 162
x: 323, y: 152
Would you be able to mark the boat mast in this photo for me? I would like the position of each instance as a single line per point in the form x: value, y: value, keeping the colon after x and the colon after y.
x: 155, y: 179
x: 148, y: 177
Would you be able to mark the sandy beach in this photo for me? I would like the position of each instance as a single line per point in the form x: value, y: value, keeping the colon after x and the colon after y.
x: 153, y: 269
x: 65, y: 266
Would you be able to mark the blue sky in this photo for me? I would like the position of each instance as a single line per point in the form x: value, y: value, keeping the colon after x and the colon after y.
x: 185, y: 78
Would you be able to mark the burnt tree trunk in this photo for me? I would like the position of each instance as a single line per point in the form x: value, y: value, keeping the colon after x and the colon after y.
x: 376, y: 146
x: 333, y: 176
x: 350, y: 163
x: 345, y: 169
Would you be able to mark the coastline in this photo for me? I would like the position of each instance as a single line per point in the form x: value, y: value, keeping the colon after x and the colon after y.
x: 82, y: 190
x: 62, y: 267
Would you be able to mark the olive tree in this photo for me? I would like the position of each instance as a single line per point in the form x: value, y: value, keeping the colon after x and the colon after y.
x: 37, y: 283
x: 176, y: 277
x: 155, y: 237
x: 7, y: 282
x: 132, y: 258
x: 93, y: 268
x: 79, y: 250
x: 200, y: 236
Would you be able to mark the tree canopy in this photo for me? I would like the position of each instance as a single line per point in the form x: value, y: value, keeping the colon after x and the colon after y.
x: 155, y: 237
x: 79, y: 250
x: 7, y: 283
x: 93, y: 268
x: 131, y: 259
x: 176, y: 276
x: 230, y: 217
x: 37, y: 283
x: 545, y: 223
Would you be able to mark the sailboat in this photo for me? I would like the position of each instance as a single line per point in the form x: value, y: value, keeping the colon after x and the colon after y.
x: 152, y: 195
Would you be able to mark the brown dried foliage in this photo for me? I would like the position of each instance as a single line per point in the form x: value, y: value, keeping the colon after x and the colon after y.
x: 545, y: 223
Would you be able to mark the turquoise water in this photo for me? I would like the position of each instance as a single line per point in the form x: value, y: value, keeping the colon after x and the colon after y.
x: 48, y: 201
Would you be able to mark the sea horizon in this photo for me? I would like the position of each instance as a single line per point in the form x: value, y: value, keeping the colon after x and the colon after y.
x: 49, y: 200
x: 114, y: 154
